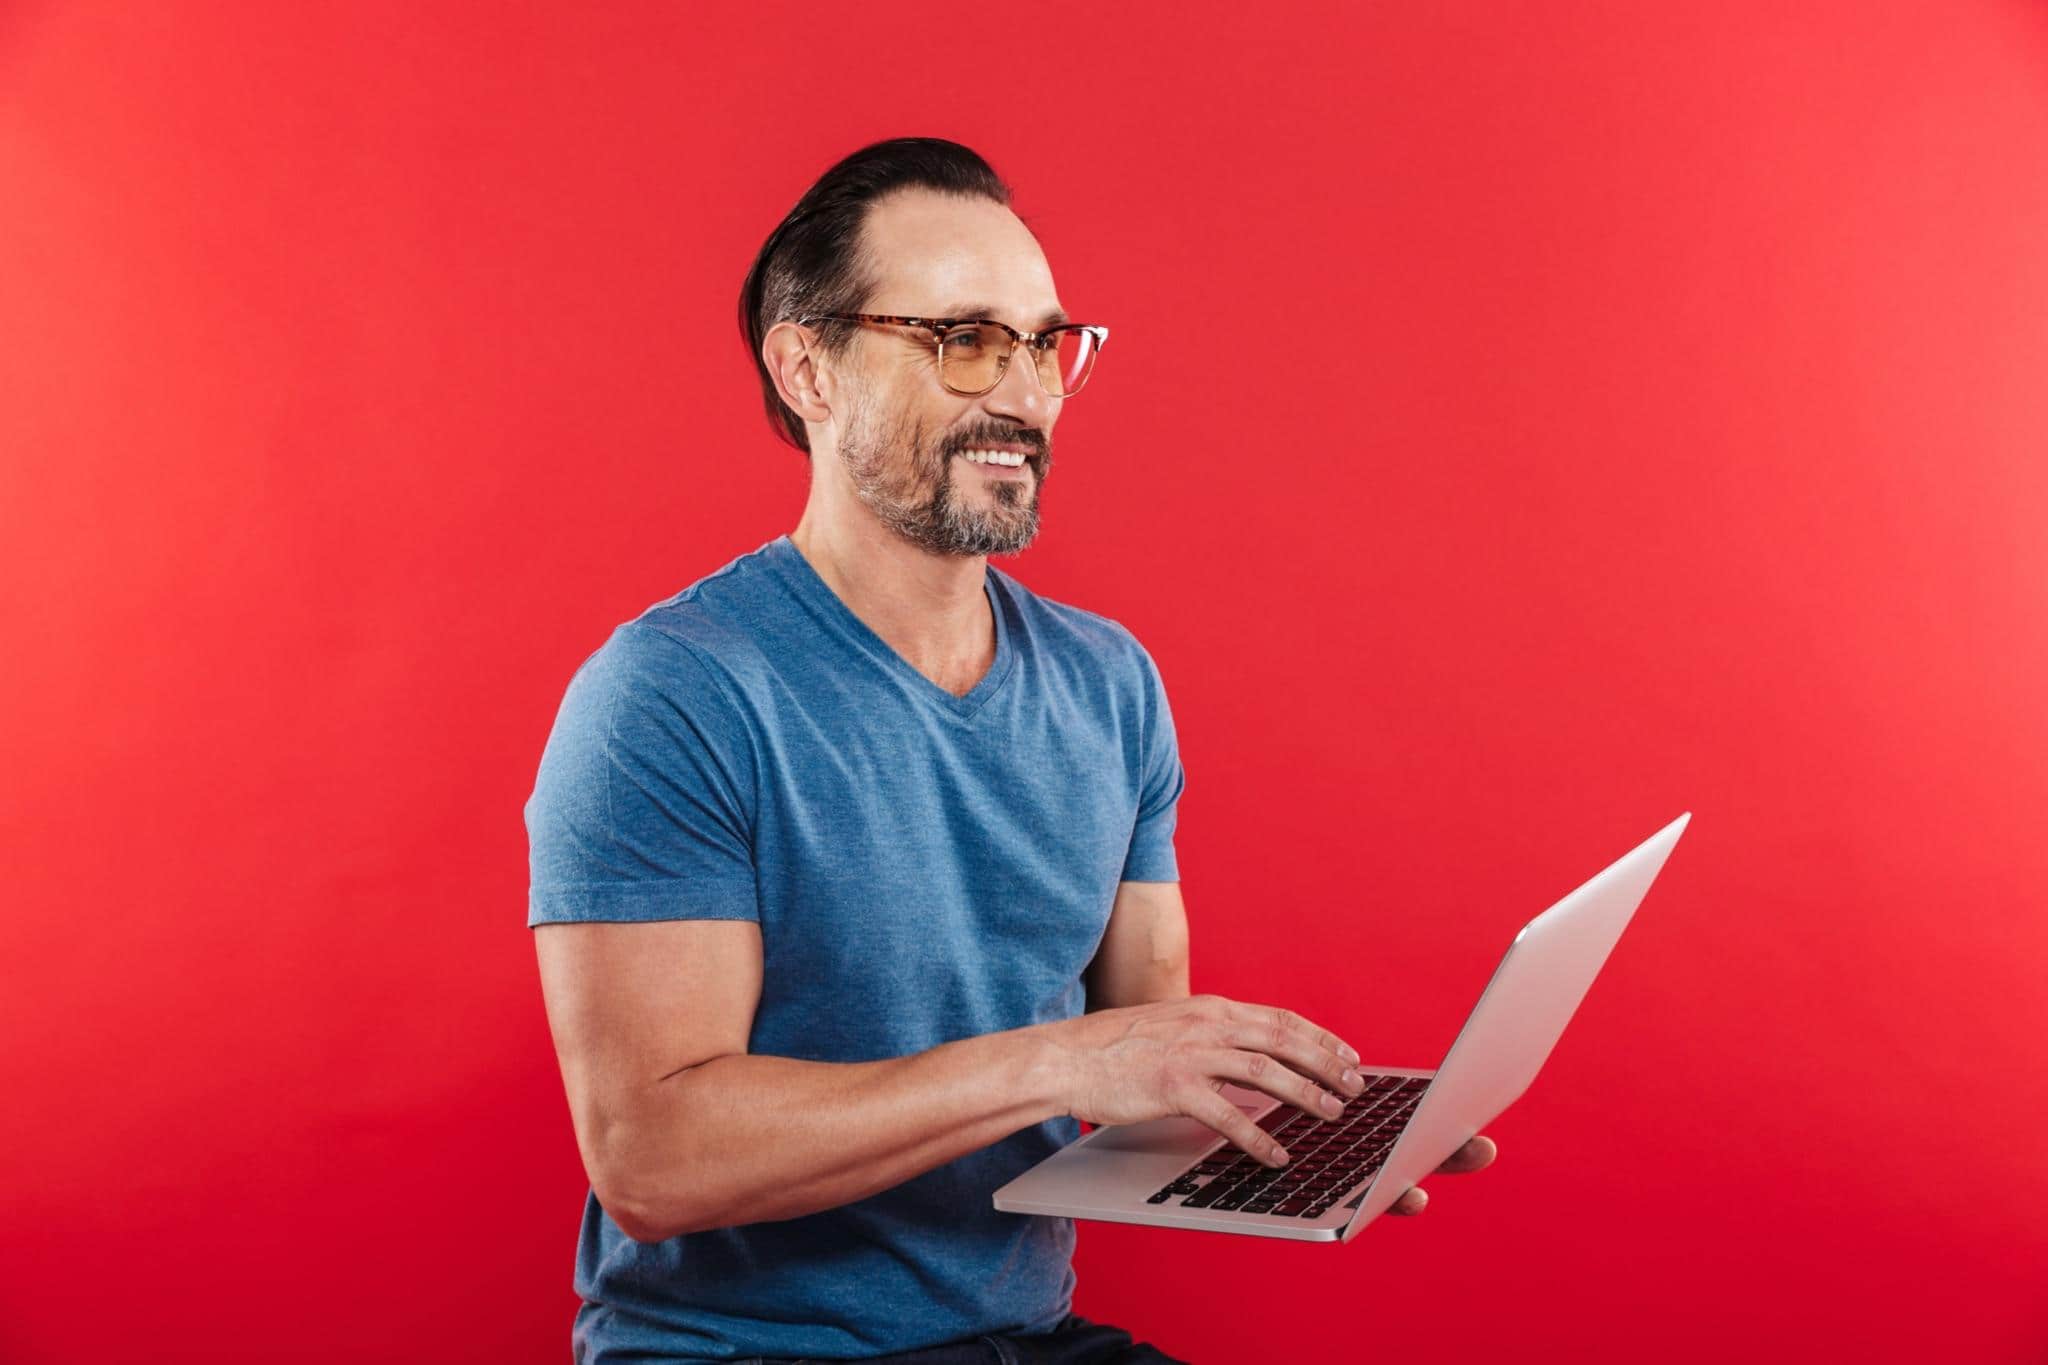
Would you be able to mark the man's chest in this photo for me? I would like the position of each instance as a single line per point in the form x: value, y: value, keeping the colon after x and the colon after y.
x: 927, y: 854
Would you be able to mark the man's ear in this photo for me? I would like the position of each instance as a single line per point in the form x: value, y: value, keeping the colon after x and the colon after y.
x: 791, y: 357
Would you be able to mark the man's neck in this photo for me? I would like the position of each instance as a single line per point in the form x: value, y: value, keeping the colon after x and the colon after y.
x: 931, y: 609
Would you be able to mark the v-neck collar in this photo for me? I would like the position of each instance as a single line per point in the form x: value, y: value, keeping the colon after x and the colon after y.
x: 795, y: 570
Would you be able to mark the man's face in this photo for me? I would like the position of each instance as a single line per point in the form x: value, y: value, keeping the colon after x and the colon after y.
x: 903, y: 437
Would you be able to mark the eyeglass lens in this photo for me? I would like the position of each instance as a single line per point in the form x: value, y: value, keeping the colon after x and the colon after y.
x: 971, y: 359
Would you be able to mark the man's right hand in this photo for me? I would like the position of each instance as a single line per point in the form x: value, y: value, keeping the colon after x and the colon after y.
x: 1172, y: 1058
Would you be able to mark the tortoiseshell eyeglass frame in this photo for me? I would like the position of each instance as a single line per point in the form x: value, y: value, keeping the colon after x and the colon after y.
x: 938, y: 327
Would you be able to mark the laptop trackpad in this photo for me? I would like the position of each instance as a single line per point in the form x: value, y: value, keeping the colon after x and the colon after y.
x: 1181, y: 1137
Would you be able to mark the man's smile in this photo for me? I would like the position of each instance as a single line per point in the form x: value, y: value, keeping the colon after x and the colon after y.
x: 991, y: 463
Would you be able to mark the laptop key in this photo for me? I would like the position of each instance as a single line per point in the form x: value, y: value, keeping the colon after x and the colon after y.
x: 1273, y: 1121
x: 1336, y: 1152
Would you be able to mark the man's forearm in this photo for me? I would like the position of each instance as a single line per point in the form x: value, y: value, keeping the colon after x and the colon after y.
x: 1143, y: 957
x: 749, y: 1139
x: 1144, y: 985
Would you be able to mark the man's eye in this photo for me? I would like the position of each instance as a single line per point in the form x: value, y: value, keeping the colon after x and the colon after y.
x: 965, y: 340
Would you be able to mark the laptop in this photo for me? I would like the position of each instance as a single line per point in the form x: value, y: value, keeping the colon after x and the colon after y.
x: 1344, y: 1172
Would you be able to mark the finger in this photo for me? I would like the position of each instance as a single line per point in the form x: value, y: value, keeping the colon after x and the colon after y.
x: 1309, y: 1049
x: 1475, y: 1155
x: 1411, y: 1203
x: 1209, y: 1107
x: 1261, y: 1072
x: 1315, y: 1035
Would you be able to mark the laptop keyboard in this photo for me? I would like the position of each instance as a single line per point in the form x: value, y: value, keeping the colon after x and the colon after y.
x: 1326, y: 1157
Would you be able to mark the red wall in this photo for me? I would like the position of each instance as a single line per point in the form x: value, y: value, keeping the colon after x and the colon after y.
x: 1523, y: 422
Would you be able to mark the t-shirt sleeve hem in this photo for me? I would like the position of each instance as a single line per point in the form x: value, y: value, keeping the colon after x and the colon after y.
x: 1151, y: 862
x: 633, y: 902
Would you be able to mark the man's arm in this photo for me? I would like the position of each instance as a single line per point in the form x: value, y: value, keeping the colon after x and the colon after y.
x: 681, y: 1129
x: 1144, y: 952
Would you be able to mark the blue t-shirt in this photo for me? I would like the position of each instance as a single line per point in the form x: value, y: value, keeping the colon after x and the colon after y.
x: 924, y: 867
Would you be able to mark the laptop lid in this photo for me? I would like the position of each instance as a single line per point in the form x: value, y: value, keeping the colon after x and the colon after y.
x: 1520, y: 1015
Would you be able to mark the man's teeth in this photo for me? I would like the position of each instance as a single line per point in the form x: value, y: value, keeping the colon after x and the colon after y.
x: 1011, y: 458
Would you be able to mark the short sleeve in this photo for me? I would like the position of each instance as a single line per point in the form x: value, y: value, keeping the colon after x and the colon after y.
x: 641, y: 808
x: 1151, y: 857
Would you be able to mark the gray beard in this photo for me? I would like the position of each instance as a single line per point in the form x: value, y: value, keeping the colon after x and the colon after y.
x: 941, y: 523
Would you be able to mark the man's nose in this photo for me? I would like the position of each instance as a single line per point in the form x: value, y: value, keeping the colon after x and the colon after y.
x: 1020, y: 393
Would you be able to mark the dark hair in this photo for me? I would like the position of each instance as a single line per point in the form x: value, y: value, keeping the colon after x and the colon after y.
x: 811, y: 263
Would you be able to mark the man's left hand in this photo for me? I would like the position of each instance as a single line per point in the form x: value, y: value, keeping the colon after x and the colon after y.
x: 1475, y: 1155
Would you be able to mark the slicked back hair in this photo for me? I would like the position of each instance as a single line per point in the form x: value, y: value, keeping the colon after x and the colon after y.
x: 812, y: 262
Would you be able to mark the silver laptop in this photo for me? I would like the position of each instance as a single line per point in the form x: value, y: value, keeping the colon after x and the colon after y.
x: 1344, y: 1172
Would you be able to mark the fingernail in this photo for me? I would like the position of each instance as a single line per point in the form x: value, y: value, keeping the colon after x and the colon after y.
x: 1279, y: 1152
x: 1350, y: 1053
x: 1353, y: 1080
x: 1332, y: 1105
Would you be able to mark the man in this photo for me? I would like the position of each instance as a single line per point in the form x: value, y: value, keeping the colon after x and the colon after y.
x: 853, y: 874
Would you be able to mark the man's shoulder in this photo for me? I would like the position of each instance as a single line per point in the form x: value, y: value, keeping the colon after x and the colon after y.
x: 1094, y: 637
x: 1088, y: 629
x: 702, y: 638
x: 720, y: 611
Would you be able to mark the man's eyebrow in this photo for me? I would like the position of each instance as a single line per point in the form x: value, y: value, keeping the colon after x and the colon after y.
x: 979, y: 311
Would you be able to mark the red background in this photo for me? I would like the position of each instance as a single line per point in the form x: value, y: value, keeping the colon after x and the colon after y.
x: 1523, y: 422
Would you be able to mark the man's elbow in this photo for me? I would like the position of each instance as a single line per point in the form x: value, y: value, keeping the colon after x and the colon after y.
x: 637, y: 1225
x: 649, y: 1177
x: 646, y: 1217
x: 650, y: 1202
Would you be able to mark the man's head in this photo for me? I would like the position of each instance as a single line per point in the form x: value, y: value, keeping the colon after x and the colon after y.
x: 915, y: 227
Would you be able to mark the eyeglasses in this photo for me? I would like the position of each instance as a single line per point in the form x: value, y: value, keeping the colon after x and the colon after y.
x: 974, y: 352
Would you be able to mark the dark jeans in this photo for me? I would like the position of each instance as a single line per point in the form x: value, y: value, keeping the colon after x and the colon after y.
x: 1075, y: 1341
